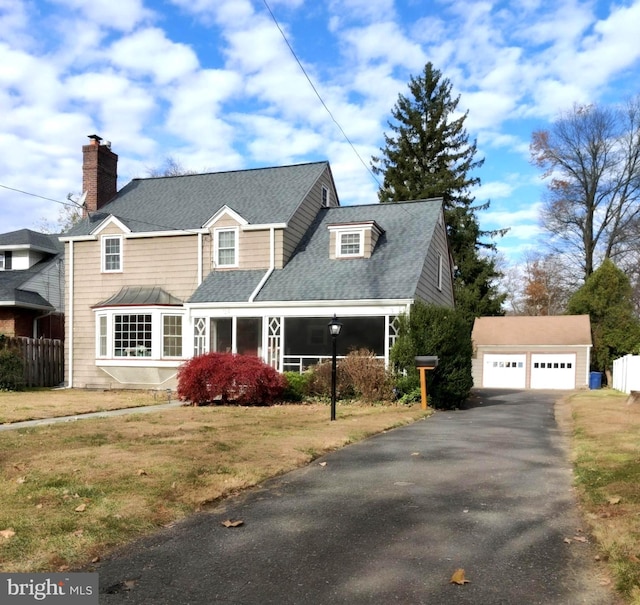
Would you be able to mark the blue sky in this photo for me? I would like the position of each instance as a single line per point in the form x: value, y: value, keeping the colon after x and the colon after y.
x: 213, y: 84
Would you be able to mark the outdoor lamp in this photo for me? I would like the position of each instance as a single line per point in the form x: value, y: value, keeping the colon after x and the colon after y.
x: 334, y: 329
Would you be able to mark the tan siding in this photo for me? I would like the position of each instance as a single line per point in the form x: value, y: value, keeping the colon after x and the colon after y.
x: 168, y: 262
x: 255, y: 249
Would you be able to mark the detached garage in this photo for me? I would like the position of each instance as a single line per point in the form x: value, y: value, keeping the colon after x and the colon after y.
x: 518, y: 352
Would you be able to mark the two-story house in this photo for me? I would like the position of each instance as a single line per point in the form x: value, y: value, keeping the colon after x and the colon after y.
x: 250, y: 261
x: 31, y: 285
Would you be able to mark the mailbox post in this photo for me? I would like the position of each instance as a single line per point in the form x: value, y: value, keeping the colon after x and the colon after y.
x: 424, y: 363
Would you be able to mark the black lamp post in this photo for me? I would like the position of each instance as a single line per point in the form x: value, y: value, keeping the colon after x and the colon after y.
x: 334, y: 329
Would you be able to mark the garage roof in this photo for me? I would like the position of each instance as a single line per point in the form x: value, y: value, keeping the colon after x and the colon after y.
x: 568, y: 330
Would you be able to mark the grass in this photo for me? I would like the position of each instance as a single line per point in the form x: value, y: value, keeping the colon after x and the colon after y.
x: 71, y: 492
x: 606, y: 453
x: 34, y: 404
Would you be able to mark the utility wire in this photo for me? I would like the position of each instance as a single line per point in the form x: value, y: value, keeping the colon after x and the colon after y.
x: 69, y: 203
x: 315, y: 90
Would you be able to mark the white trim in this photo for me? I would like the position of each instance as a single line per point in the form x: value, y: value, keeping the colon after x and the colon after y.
x: 145, y: 362
x: 78, y: 238
x: 144, y: 234
x: 110, y: 220
x: 289, y: 309
x: 264, y: 226
x: 200, y: 258
x: 325, y: 196
x: 216, y: 250
x: 71, y: 278
x: 440, y: 268
x: 229, y: 212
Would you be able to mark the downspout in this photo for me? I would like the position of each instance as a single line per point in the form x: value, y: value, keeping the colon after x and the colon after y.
x: 272, y: 264
x: 71, y: 301
x: 199, y: 258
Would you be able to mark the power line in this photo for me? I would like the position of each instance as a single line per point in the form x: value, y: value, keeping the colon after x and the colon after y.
x: 42, y: 197
x: 315, y: 90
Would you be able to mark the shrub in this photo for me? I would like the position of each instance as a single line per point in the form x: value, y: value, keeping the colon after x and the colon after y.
x: 297, y: 387
x: 11, y: 370
x: 432, y: 330
x: 320, y: 380
x: 367, y: 376
x: 226, y: 377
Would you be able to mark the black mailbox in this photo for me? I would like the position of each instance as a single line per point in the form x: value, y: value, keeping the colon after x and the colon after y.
x: 427, y: 361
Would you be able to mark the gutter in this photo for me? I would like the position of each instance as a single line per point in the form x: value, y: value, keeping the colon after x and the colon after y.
x: 272, y: 264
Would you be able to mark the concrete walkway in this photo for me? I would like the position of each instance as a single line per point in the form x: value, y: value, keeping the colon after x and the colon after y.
x: 104, y: 414
x: 389, y: 520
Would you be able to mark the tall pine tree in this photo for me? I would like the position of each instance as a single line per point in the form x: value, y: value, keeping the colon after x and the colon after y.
x: 429, y: 155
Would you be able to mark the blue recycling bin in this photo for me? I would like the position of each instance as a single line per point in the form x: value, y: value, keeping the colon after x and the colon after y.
x: 595, y: 380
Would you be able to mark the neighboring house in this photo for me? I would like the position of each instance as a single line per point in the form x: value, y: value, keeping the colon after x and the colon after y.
x: 31, y: 285
x: 250, y: 261
x: 544, y: 352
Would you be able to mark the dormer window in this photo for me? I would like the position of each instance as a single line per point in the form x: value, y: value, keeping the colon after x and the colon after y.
x: 111, y: 253
x: 226, y: 247
x: 350, y: 243
x: 353, y: 240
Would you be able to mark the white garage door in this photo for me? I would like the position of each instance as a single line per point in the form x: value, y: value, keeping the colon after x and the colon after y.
x: 504, y: 371
x: 553, y: 371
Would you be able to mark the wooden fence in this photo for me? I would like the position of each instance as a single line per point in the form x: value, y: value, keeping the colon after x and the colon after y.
x: 43, y: 360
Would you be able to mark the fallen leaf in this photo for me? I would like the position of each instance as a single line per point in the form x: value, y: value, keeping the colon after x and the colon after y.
x: 78, y: 532
x: 21, y: 480
x: 63, y: 568
x: 458, y: 577
x: 81, y: 508
x: 580, y: 539
x: 232, y: 523
x: 322, y: 463
x: 567, y: 540
x: 95, y: 560
x: 7, y: 533
x: 605, y: 582
x: 141, y: 472
x: 129, y: 584
x: 39, y: 505
x: 615, y: 500
x: 415, y: 454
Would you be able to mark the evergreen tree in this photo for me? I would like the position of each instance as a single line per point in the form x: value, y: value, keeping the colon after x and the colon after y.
x: 607, y: 298
x: 440, y: 331
x: 429, y: 155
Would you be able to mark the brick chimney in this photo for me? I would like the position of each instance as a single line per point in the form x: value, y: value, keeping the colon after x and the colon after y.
x: 99, y: 174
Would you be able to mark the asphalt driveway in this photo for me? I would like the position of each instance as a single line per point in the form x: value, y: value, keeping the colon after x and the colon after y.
x: 389, y: 520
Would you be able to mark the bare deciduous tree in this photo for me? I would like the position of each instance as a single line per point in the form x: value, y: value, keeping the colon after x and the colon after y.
x: 592, y: 156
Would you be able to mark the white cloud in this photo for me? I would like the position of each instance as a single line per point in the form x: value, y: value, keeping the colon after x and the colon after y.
x: 124, y: 16
x: 150, y: 52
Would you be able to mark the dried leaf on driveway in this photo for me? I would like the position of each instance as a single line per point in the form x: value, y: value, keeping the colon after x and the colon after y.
x: 232, y: 523
x: 568, y: 540
x: 580, y: 539
x: 458, y: 577
x: 322, y: 463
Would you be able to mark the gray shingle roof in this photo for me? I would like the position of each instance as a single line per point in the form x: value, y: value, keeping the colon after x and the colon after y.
x: 392, y: 271
x: 260, y: 195
x: 11, y: 293
x: 227, y: 286
x: 43, y: 242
